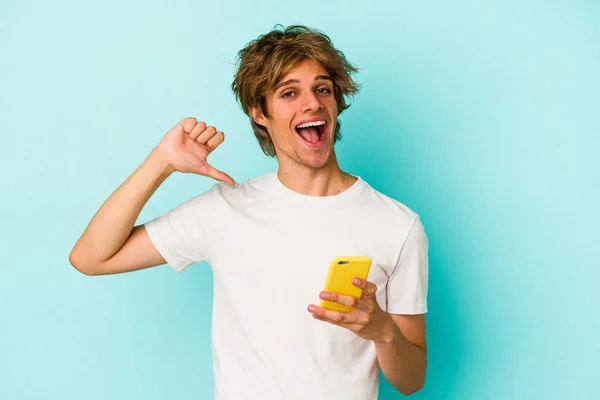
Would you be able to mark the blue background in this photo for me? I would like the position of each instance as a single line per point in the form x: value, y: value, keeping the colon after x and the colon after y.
x: 481, y: 116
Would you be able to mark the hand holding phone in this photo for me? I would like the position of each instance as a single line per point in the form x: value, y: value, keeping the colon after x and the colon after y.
x: 339, y: 279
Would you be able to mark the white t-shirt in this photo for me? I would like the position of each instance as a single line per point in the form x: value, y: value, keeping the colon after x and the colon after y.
x: 270, y: 250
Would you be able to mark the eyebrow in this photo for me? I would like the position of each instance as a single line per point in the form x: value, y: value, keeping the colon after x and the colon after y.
x: 290, y: 81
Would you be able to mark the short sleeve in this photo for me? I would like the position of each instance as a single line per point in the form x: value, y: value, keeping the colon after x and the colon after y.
x: 408, y: 284
x: 183, y: 235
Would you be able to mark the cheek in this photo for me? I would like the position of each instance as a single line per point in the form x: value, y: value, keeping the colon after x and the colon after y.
x: 283, y: 124
x: 280, y: 131
x: 333, y: 107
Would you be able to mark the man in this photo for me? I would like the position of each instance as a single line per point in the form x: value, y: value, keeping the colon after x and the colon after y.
x: 270, y: 240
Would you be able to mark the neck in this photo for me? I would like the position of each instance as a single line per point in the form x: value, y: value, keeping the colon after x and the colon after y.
x: 328, y: 180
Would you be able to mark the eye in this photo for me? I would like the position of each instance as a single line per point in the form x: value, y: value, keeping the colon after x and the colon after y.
x: 324, y: 90
x: 288, y: 95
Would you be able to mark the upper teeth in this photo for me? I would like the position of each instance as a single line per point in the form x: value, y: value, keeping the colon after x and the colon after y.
x: 306, y: 125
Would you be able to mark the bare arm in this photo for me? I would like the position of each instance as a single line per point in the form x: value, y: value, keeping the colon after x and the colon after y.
x: 110, y: 243
x: 399, y: 339
x: 402, y: 353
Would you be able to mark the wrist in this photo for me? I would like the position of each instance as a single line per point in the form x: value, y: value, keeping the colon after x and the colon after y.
x: 160, y: 163
x: 389, y: 332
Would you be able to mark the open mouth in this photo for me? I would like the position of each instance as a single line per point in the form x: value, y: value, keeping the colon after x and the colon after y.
x: 313, y: 133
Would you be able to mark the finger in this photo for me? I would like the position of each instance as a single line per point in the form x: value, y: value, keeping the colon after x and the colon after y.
x: 198, y: 129
x: 216, y: 140
x: 207, y: 135
x: 350, y: 301
x: 335, y: 316
x: 315, y: 316
x: 344, y: 299
x: 188, y: 124
x: 219, y: 175
x: 351, y: 326
x: 369, y: 288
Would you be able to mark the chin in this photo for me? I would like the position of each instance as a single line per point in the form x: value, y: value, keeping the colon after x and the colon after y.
x: 315, y: 161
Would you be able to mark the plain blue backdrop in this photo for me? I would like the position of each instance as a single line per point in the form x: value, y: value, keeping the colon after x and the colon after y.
x: 483, y: 117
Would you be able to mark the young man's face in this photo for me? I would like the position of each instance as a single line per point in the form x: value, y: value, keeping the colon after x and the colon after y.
x: 302, y: 98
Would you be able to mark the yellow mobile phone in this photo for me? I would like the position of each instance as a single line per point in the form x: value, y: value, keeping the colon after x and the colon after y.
x: 339, y: 279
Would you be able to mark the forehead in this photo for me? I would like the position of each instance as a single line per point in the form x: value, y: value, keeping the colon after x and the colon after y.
x: 306, y: 67
x: 302, y: 71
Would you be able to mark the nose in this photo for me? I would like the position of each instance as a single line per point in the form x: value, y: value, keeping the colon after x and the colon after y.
x: 310, y: 101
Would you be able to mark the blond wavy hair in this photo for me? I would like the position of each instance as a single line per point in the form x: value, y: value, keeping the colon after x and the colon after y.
x: 263, y: 62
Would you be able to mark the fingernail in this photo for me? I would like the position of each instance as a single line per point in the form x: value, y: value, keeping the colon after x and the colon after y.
x: 356, y: 281
x: 324, y: 295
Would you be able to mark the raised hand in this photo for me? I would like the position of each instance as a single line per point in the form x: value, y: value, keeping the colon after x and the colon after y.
x: 186, y: 148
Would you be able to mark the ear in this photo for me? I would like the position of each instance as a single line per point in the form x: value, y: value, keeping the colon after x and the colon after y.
x: 258, y: 117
